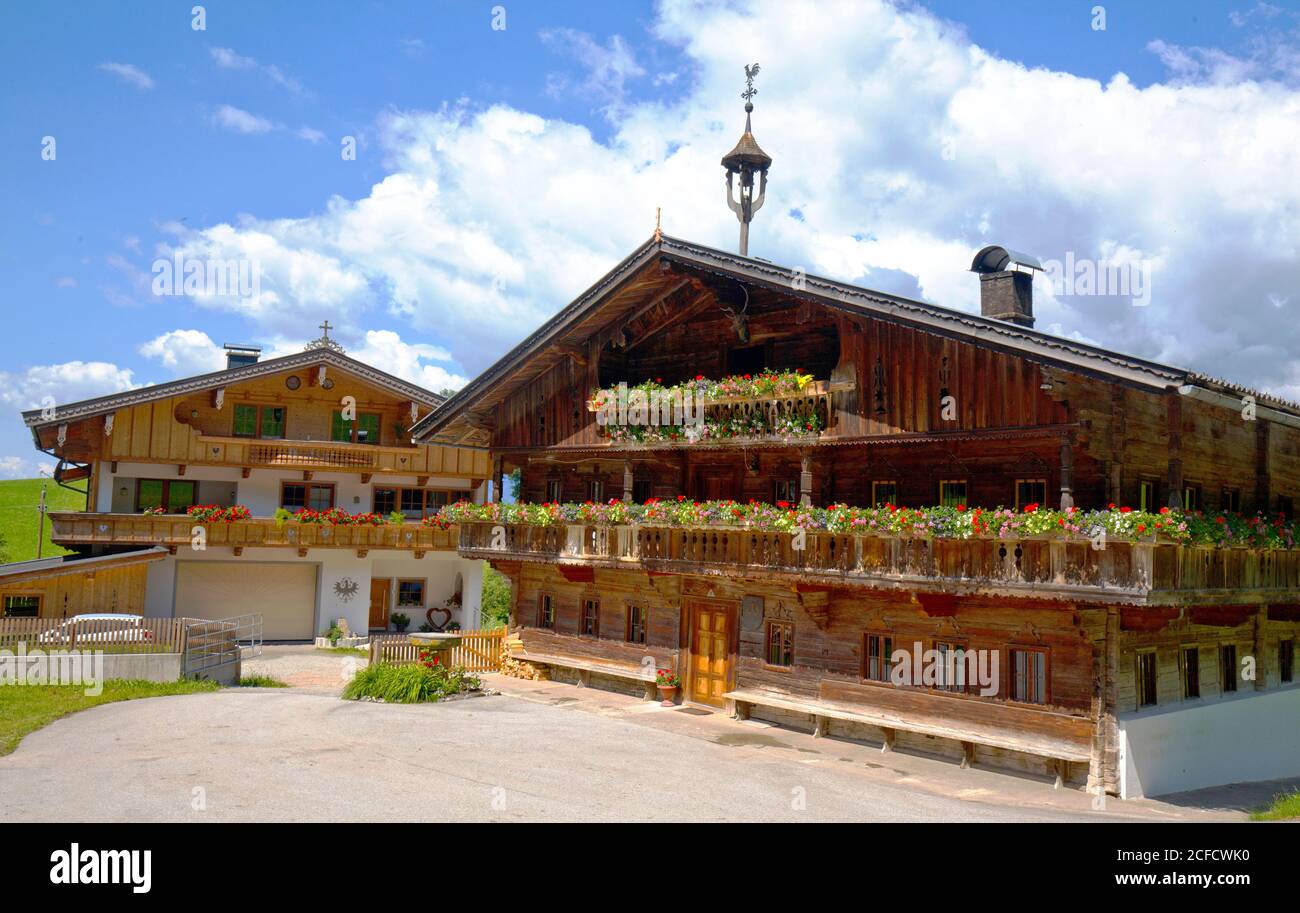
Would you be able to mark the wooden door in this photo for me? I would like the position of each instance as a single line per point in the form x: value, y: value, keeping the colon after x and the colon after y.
x: 712, y: 629
x: 380, y: 593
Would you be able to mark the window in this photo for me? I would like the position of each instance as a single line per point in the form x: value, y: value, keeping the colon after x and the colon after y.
x: 1286, y: 660
x: 258, y: 421
x: 410, y: 593
x: 1286, y: 507
x: 1030, y: 491
x: 553, y: 491
x: 22, y: 606
x: 1029, y: 676
x: 245, y: 424
x: 590, y: 617
x: 596, y: 491
x: 951, y: 672
x: 1147, y: 496
x: 780, y: 643
x: 364, y: 430
x: 173, y: 495
x: 412, y: 502
x: 1230, y: 499
x: 952, y: 492
x: 641, y: 490
x: 546, y: 611
x: 309, y: 495
x: 1146, y: 679
x: 636, y: 621
x: 1228, y: 667
x: 384, y: 500
x: 1191, y: 497
x: 785, y: 490
x: 877, y: 653
x: 437, y: 498
x: 883, y: 493
x: 1190, y: 660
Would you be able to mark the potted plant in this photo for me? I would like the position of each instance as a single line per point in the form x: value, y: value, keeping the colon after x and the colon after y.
x: 401, y: 622
x: 667, y: 681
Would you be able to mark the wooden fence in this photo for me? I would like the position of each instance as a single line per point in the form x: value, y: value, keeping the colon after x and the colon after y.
x: 478, y: 651
x: 111, y: 635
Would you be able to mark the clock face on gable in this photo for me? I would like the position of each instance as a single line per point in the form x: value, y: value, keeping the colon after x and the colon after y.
x: 293, y: 381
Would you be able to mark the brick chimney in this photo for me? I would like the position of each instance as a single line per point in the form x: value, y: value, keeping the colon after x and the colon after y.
x: 1006, y: 284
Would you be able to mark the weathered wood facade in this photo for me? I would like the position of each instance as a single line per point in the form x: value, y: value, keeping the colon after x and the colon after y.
x: 920, y: 402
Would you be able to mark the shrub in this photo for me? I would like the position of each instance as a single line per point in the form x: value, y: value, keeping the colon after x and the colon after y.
x: 412, y: 683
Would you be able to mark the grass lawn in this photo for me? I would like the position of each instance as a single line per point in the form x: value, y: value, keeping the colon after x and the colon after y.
x: 26, y: 708
x: 261, y: 681
x: 1284, y: 807
x: 18, y: 517
x: 347, y: 651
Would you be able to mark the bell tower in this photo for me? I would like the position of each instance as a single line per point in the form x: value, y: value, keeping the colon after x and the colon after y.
x: 745, y: 160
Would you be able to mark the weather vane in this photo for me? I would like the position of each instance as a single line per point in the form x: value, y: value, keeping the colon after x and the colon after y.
x: 750, y: 72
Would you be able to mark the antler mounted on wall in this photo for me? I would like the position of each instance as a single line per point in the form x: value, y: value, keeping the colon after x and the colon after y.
x: 739, y: 318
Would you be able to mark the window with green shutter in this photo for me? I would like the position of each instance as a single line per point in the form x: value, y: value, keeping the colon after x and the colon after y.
x: 272, y: 422
x: 245, y: 421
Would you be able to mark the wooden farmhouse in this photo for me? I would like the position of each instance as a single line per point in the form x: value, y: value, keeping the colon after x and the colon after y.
x: 915, y: 406
x: 288, y: 487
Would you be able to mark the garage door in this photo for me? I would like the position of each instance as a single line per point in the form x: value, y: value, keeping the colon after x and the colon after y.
x: 285, y: 594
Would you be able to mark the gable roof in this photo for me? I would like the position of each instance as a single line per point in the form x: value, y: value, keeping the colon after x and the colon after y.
x: 984, y: 331
x: 88, y: 408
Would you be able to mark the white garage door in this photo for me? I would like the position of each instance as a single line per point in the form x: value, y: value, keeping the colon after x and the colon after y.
x: 285, y: 594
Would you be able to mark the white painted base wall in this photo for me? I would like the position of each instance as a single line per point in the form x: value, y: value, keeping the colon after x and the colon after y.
x: 1252, y: 736
x: 337, y: 566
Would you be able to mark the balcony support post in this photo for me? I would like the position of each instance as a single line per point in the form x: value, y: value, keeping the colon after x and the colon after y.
x: 1067, y: 474
x: 627, y: 481
x: 805, y: 479
x: 498, y: 476
x: 1175, y: 429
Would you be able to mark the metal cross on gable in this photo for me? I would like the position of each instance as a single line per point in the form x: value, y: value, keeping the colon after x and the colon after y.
x: 325, y: 328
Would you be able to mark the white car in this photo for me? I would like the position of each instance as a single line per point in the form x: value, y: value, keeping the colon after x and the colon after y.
x: 99, y: 627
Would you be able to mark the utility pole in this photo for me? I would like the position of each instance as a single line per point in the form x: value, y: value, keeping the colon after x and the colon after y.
x: 40, y: 528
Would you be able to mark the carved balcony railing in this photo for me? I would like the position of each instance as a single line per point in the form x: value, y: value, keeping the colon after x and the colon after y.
x: 777, y: 415
x: 331, y: 455
x: 1149, y: 573
x: 174, y: 532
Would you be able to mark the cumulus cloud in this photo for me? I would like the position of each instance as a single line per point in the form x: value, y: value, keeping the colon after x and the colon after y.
x: 185, y: 352
x: 62, y: 383
x: 228, y: 59
x: 130, y: 74
x: 920, y: 149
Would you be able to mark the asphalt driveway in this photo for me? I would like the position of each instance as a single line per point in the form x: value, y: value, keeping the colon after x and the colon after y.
x: 542, y: 752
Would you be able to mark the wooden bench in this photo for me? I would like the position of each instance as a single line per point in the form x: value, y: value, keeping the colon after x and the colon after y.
x: 585, y: 667
x: 1060, y: 753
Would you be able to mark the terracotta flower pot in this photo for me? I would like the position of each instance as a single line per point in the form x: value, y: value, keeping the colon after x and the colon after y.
x: 668, y: 693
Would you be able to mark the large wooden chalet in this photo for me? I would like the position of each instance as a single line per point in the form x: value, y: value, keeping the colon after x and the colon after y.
x: 252, y: 479
x: 1115, y: 661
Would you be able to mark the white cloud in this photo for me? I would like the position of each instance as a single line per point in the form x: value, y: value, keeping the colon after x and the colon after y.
x: 15, y: 467
x: 185, y: 352
x: 129, y: 74
x: 241, y: 121
x: 385, y: 350
x: 608, y: 66
x: 63, y: 383
x: 228, y: 59
x: 918, y: 150
x: 65, y: 282
x: 310, y: 134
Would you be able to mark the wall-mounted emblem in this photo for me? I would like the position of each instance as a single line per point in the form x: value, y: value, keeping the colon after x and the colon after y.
x: 346, y: 589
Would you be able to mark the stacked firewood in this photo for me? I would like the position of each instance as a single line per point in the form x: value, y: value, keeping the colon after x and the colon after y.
x: 518, y: 668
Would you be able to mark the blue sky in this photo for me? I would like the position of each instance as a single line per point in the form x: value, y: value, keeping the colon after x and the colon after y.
x: 499, y: 172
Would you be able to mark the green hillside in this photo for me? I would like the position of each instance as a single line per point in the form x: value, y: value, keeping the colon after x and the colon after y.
x: 18, y: 517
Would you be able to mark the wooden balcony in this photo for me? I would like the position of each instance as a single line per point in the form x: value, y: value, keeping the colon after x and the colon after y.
x: 1157, y: 574
x: 175, y: 532
x: 816, y: 400
x: 328, y: 455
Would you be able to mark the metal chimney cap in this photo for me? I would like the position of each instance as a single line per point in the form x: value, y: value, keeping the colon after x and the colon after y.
x: 996, y: 259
